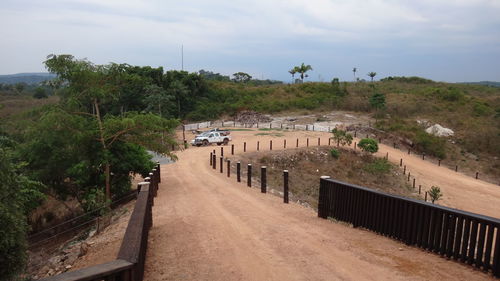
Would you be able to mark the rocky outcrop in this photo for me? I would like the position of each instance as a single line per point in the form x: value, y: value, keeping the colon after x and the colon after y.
x: 440, y: 131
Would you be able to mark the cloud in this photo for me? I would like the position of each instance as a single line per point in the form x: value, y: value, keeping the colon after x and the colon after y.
x: 262, y: 36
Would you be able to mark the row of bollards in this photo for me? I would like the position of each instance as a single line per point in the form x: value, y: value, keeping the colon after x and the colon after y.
x: 263, y: 174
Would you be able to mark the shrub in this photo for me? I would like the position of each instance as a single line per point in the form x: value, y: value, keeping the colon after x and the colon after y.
x: 430, y: 144
x: 435, y: 193
x: 378, y: 166
x: 368, y: 145
x: 341, y: 137
x: 335, y: 153
x: 377, y: 101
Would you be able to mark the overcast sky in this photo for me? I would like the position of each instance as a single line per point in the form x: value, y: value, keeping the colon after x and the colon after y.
x: 445, y: 40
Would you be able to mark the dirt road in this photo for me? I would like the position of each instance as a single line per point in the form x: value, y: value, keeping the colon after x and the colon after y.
x: 208, y: 227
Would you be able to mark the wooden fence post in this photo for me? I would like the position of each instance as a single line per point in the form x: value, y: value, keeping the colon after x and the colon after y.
x: 354, y: 145
x: 456, y: 168
x: 228, y: 167
x: 249, y: 175
x: 284, y: 143
x: 355, y: 133
x: 238, y: 171
x: 221, y: 164
x: 419, y: 188
x: 297, y: 143
x: 477, y: 175
x: 232, y: 149
x: 423, y: 156
x: 413, y: 183
x: 404, y: 170
x: 214, y: 162
x: 401, y: 162
x: 258, y: 145
x: 245, y: 147
x: 439, y: 162
x: 271, y: 145
x: 329, y: 141
x: 222, y: 151
x: 319, y: 141
x: 210, y: 158
x: 307, y: 142
x: 425, y: 196
x: 263, y: 179
x: 408, y: 151
x: 285, y: 186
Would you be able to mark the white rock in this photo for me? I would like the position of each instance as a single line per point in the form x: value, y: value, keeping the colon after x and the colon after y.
x: 439, y: 131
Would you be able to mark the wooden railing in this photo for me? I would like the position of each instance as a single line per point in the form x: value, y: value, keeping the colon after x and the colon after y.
x: 129, y: 265
x: 465, y: 237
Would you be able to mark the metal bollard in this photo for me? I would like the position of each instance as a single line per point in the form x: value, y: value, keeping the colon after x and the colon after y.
x: 238, y: 171
x: 249, y: 175
x: 285, y: 186
x: 221, y: 164
x: 263, y: 179
x: 228, y: 168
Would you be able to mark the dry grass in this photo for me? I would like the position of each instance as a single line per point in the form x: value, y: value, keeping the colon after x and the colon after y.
x: 306, y: 165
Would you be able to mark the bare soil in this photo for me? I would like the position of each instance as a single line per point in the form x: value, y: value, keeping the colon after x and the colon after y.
x: 305, y: 165
x: 208, y: 227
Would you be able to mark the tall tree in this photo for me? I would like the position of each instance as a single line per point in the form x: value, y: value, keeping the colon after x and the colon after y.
x: 293, y: 71
x: 241, y: 77
x: 372, y: 74
x: 302, y: 69
x: 90, y: 87
x: 159, y: 100
x: 354, y: 72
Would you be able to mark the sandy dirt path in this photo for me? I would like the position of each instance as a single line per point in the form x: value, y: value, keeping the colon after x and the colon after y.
x: 208, y: 227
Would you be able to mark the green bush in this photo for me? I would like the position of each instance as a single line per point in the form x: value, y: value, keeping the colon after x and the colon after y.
x: 378, y: 166
x: 335, y: 153
x: 368, y: 145
x: 342, y: 137
x: 430, y: 144
x: 377, y: 101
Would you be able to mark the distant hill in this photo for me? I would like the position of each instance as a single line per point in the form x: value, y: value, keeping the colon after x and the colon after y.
x: 485, y: 83
x: 28, y: 78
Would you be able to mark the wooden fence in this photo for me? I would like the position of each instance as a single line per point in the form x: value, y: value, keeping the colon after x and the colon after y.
x: 465, y: 237
x: 129, y: 265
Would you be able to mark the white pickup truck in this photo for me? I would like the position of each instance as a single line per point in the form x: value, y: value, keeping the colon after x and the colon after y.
x: 211, y: 137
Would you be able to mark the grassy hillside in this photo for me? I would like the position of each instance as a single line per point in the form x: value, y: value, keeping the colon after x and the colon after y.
x: 472, y: 111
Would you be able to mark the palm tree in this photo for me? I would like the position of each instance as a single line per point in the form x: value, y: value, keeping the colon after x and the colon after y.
x: 354, y: 71
x: 372, y: 74
x: 302, y: 69
x: 293, y: 71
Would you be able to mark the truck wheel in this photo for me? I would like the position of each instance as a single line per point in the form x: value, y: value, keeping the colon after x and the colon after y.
x: 219, y: 143
x: 226, y: 141
x: 205, y: 142
x: 198, y: 144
